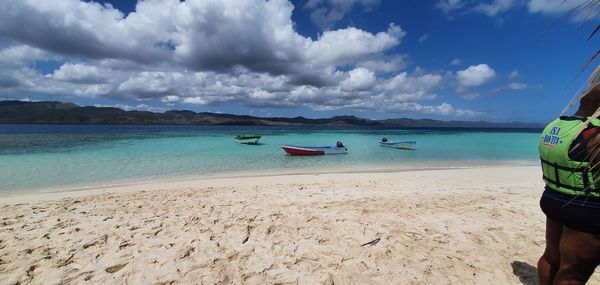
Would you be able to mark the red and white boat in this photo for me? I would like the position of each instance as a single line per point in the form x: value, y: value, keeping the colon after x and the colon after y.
x: 315, y: 150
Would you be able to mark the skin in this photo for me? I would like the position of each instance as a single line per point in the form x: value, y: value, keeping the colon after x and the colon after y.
x: 571, y: 256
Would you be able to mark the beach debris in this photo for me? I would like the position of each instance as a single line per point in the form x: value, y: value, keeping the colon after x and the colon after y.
x: 115, y: 268
x: 371, y: 243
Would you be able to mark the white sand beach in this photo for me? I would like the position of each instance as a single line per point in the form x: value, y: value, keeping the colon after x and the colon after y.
x: 454, y: 226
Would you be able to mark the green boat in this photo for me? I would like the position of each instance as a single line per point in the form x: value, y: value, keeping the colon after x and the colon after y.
x: 247, y: 139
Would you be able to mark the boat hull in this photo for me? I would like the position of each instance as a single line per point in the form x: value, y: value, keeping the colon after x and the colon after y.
x: 399, y: 145
x: 312, y: 150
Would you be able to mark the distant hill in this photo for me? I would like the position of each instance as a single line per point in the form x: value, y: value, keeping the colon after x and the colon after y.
x: 52, y: 112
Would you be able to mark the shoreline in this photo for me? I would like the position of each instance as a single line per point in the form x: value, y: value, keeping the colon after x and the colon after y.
x: 152, y: 182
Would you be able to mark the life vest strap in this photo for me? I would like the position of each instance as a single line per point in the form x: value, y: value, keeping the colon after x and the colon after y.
x: 586, y: 189
x: 560, y: 167
x: 560, y: 185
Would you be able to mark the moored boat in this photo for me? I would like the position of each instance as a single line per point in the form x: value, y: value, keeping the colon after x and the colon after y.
x: 397, y: 144
x: 247, y: 139
x: 339, y: 148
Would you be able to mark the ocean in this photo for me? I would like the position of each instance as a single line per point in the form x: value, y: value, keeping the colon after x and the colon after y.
x: 39, y: 157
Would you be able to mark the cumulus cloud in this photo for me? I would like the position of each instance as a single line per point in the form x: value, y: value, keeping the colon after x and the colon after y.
x: 81, y: 73
x: 456, y: 61
x: 513, y: 74
x: 475, y: 75
x: 22, y: 54
x: 207, y: 52
x: 78, y: 28
x: 358, y: 79
x: 344, y: 45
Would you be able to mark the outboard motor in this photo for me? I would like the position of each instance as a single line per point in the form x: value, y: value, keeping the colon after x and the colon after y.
x: 339, y: 144
x: 384, y: 140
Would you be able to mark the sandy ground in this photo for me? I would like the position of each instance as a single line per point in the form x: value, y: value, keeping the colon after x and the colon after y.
x: 456, y: 226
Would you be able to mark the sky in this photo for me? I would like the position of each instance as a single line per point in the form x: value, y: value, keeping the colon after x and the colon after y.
x: 492, y: 60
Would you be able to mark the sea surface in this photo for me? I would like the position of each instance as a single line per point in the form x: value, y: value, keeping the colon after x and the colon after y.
x: 53, y: 156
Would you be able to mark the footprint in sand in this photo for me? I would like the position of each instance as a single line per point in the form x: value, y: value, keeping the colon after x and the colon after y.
x: 115, y: 268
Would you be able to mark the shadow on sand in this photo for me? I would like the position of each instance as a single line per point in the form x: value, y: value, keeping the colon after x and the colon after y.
x: 527, y: 273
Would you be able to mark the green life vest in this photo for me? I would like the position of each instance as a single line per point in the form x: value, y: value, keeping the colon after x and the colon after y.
x: 561, y: 173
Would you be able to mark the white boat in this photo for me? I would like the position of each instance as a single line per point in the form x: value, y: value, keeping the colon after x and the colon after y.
x: 247, y: 139
x: 397, y: 144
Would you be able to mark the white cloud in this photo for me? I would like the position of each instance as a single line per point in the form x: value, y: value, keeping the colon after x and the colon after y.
x: 326, y: 13
x: 206, y: 52
x: 449, y: 5
x: 404, y: 83
x: 423, y: 38
x: 345, y: 45
x: 579, y: 10
x: 496, y: 7
x: 518, y: 86
x: 384, y: 64
x: 491, y: 8
x: 443, y: 109
x: 475, y: 75
x: 456, y: 61
x: 551, y: 6
x: 80, y: 73
x: 522, y: 86
x: 22, y: 54
x: 514, y: 74
x: 140, y: 107
x: 469, y: 95
x: 358, y: 79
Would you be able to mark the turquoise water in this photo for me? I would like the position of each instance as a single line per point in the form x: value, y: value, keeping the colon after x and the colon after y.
x: 36, y: 156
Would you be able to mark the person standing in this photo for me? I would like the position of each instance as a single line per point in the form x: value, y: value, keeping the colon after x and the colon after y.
x: 570, y: 156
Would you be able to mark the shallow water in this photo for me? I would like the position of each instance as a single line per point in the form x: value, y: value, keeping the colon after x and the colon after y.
x: 36, y: 156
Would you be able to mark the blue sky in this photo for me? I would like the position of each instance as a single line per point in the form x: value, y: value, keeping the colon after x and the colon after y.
x: 496, y: 60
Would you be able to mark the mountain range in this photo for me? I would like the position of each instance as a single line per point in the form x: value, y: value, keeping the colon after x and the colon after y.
x: 53, y: 112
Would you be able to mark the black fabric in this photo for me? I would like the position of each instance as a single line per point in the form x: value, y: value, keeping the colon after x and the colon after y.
x: 578, y: 213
